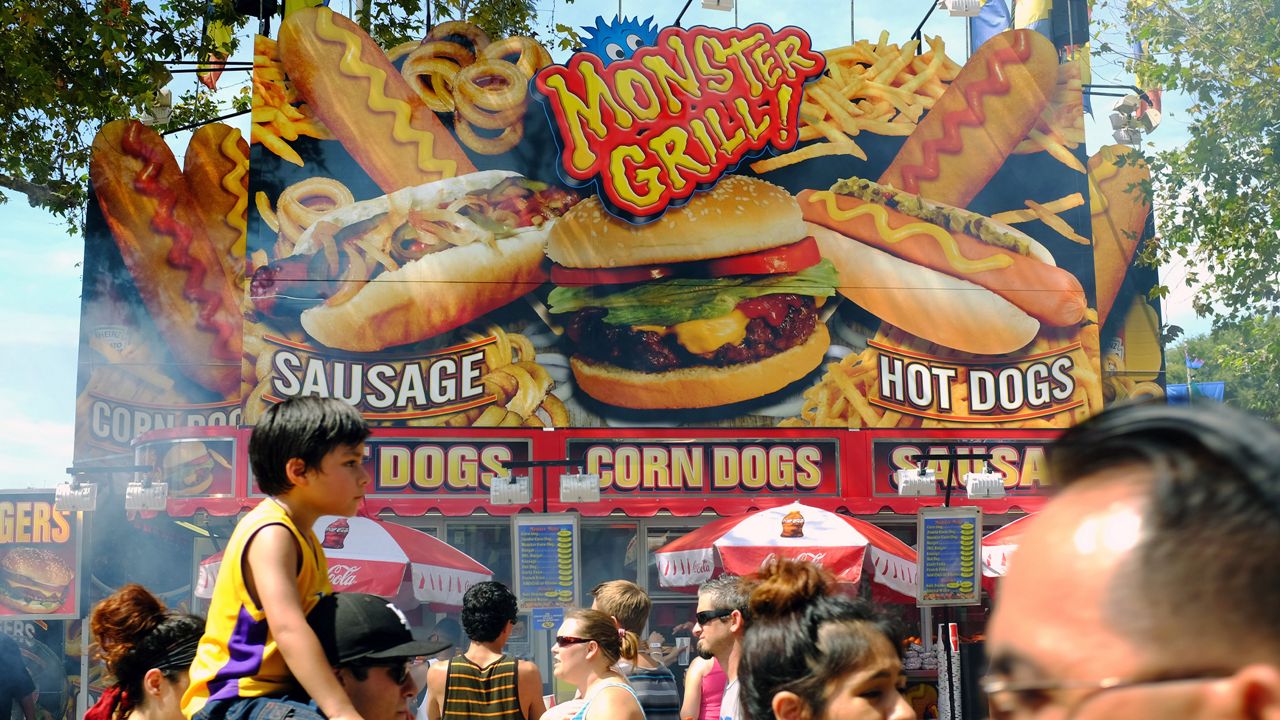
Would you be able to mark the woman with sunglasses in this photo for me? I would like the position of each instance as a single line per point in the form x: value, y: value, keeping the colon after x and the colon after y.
x: 147, y: 649
x: 811, y: 653
x: 588, y: 645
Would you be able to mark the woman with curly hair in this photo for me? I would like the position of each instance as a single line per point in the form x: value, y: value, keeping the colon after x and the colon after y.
x: 147, y: 650
x: 812, y: 654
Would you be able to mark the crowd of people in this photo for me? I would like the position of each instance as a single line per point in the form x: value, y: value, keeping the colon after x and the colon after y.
x: 1149, y: 586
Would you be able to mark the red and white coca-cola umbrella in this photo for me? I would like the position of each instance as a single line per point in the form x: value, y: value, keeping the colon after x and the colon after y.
x: 998, y: 547
x: 385, y: 559
x: 843, y: 544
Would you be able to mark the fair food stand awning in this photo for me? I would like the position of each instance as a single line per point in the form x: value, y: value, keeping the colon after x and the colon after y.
x: 843, y: 544
x: 998, y: 547
x: 386, y: 559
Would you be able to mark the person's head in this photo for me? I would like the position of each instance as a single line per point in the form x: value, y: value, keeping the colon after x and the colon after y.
x: 367, y: 642
x: 629, y: 606
x: 721, y: 615
x: 447, y: 630
x: 811, y: 654
x: 489, y: 611
x: 1150, y: 585
x: 147, y: 649
x: 307, y: 439
x: 587, y: 642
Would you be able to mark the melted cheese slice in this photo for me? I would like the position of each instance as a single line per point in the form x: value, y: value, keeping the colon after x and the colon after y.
x: 704, y: 336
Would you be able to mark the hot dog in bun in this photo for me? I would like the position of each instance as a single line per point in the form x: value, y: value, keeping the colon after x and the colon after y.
x: 947, y: 275
x: 714, y: 303
x: 34, y: 580
x: 407, y: 266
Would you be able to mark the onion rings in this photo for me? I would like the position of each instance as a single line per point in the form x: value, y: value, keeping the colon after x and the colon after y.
x: 493, y: 85
x: 524, y: 52
x: 486, y: 145
x: 432, y: 70
x: 461, y: 32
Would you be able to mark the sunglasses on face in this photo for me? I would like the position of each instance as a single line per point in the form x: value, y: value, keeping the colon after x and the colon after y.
x: 707, y: 616
x: 566, y: 640
x: 398, y: 671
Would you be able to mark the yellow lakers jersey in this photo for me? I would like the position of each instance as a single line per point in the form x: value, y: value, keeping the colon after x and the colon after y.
x: 238, y: 657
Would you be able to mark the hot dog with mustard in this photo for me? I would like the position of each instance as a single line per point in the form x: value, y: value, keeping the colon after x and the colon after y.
x: 941, y: 273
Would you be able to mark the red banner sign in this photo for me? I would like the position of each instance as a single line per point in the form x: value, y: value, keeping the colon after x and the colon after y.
x: 1021, y: 461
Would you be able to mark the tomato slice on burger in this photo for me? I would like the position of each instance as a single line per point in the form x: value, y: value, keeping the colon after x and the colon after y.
x: 774, y: 261
x: 568, y: 277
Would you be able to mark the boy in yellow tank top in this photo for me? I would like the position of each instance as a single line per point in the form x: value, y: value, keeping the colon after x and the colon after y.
x: 258, y: 658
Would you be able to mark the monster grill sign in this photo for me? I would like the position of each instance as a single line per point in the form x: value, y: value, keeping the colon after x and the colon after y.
x: 652, y: 129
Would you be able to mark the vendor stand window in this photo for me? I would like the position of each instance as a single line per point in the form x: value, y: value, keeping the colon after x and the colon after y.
x: 609, y: 552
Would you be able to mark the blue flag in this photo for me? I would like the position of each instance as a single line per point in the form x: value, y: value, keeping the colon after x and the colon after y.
x: 993, y: 19
x: 1194, y: 363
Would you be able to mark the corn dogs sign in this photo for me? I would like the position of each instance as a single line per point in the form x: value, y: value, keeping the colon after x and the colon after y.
x: 652, y: 129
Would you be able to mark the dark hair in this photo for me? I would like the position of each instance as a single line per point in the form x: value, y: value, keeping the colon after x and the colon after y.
x: 487, y: 608
x: 307, y: 428
x: 598, y: 626
x: 1211, y: 520
x: 728, y: 592
x: 134, y: 632
x: 803, y: 639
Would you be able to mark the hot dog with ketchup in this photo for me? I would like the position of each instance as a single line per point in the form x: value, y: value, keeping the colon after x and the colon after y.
x: 941, y: 273
x: 988, y: 109
x: 154, y: 220
x: 216, y: 167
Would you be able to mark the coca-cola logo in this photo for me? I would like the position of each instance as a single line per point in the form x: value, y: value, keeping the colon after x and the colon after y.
x: 342, y: 576
x: 814, y: 557
x: 335, y: 536
x: 685, y: 566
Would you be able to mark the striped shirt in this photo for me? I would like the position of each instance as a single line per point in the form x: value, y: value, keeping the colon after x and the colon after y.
x: 491, y: 692
x: 656, y: 689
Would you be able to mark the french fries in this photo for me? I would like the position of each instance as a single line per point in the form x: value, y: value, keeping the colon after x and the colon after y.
x: 848, y: 394
x: 1047, y: 213
x: 1060, y: 128
x: 882, y: 88
x: 277, y: 118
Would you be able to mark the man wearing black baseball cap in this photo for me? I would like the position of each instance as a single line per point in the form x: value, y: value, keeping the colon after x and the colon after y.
x: 367, y: 641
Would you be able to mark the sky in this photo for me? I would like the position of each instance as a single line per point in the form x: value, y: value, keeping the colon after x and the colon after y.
x: 40, y: 279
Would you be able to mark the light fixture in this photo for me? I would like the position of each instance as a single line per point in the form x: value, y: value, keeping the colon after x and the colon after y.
x: 961, y: 8
x: 726, y: 5
x: 1149, y: 120
x: 985, y: 485
x: 1119, y: 120
x: 1128, y: 136
x: 75, y: 496
x: 917, y: 482
x: 1128, y: 104
x: 146, y: 495
x: 579, y: 487
x: 511, y: 490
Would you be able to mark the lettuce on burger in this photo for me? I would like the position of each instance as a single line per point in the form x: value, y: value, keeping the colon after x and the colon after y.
x: 716, y: 302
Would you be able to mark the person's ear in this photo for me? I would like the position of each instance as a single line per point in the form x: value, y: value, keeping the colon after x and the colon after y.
x: 737, y: 623
x: 296, y: 470
x: 787, y: 705
x: 1253, y: 692
x: 151, y: 682
x: 341, y: 674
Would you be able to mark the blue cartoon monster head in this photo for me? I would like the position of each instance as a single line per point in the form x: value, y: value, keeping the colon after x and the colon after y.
x: 619, y: 38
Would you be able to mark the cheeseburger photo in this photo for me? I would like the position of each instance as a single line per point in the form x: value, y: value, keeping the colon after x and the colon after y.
x: 948, y: 275
x: 714, y: 303
x: 34, y: 580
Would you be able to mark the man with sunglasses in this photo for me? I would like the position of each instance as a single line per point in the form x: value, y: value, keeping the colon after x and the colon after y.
x: 722, y: 621
x: 367, y: 641
x: 1149, y: 587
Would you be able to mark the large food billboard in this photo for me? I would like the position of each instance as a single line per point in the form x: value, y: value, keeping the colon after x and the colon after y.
x: 674, y: 227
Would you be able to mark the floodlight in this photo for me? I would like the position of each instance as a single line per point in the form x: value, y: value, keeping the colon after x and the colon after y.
x: 511, y: 490
x: 580, y: 488
x: 984, y: 485
x: 1128, y: 104
x: 75, y: 495
x: 159, y: 108
x: 917, y: 482
x: 1120, y: 121
x: 146, y: 495
x: 1149, y: 120
x: 1128, y: 136
x: 726, y: 5
x: 961, y: 8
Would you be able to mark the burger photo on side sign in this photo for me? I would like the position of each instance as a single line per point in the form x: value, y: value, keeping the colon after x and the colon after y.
x: 716, y: 302
x: 34, y: 580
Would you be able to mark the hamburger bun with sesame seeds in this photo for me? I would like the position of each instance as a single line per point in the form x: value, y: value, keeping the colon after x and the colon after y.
x: 713, y: 303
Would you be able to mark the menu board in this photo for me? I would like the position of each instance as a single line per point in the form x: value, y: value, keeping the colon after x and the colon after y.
x: 546, y: 551
x: 950, y: 544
